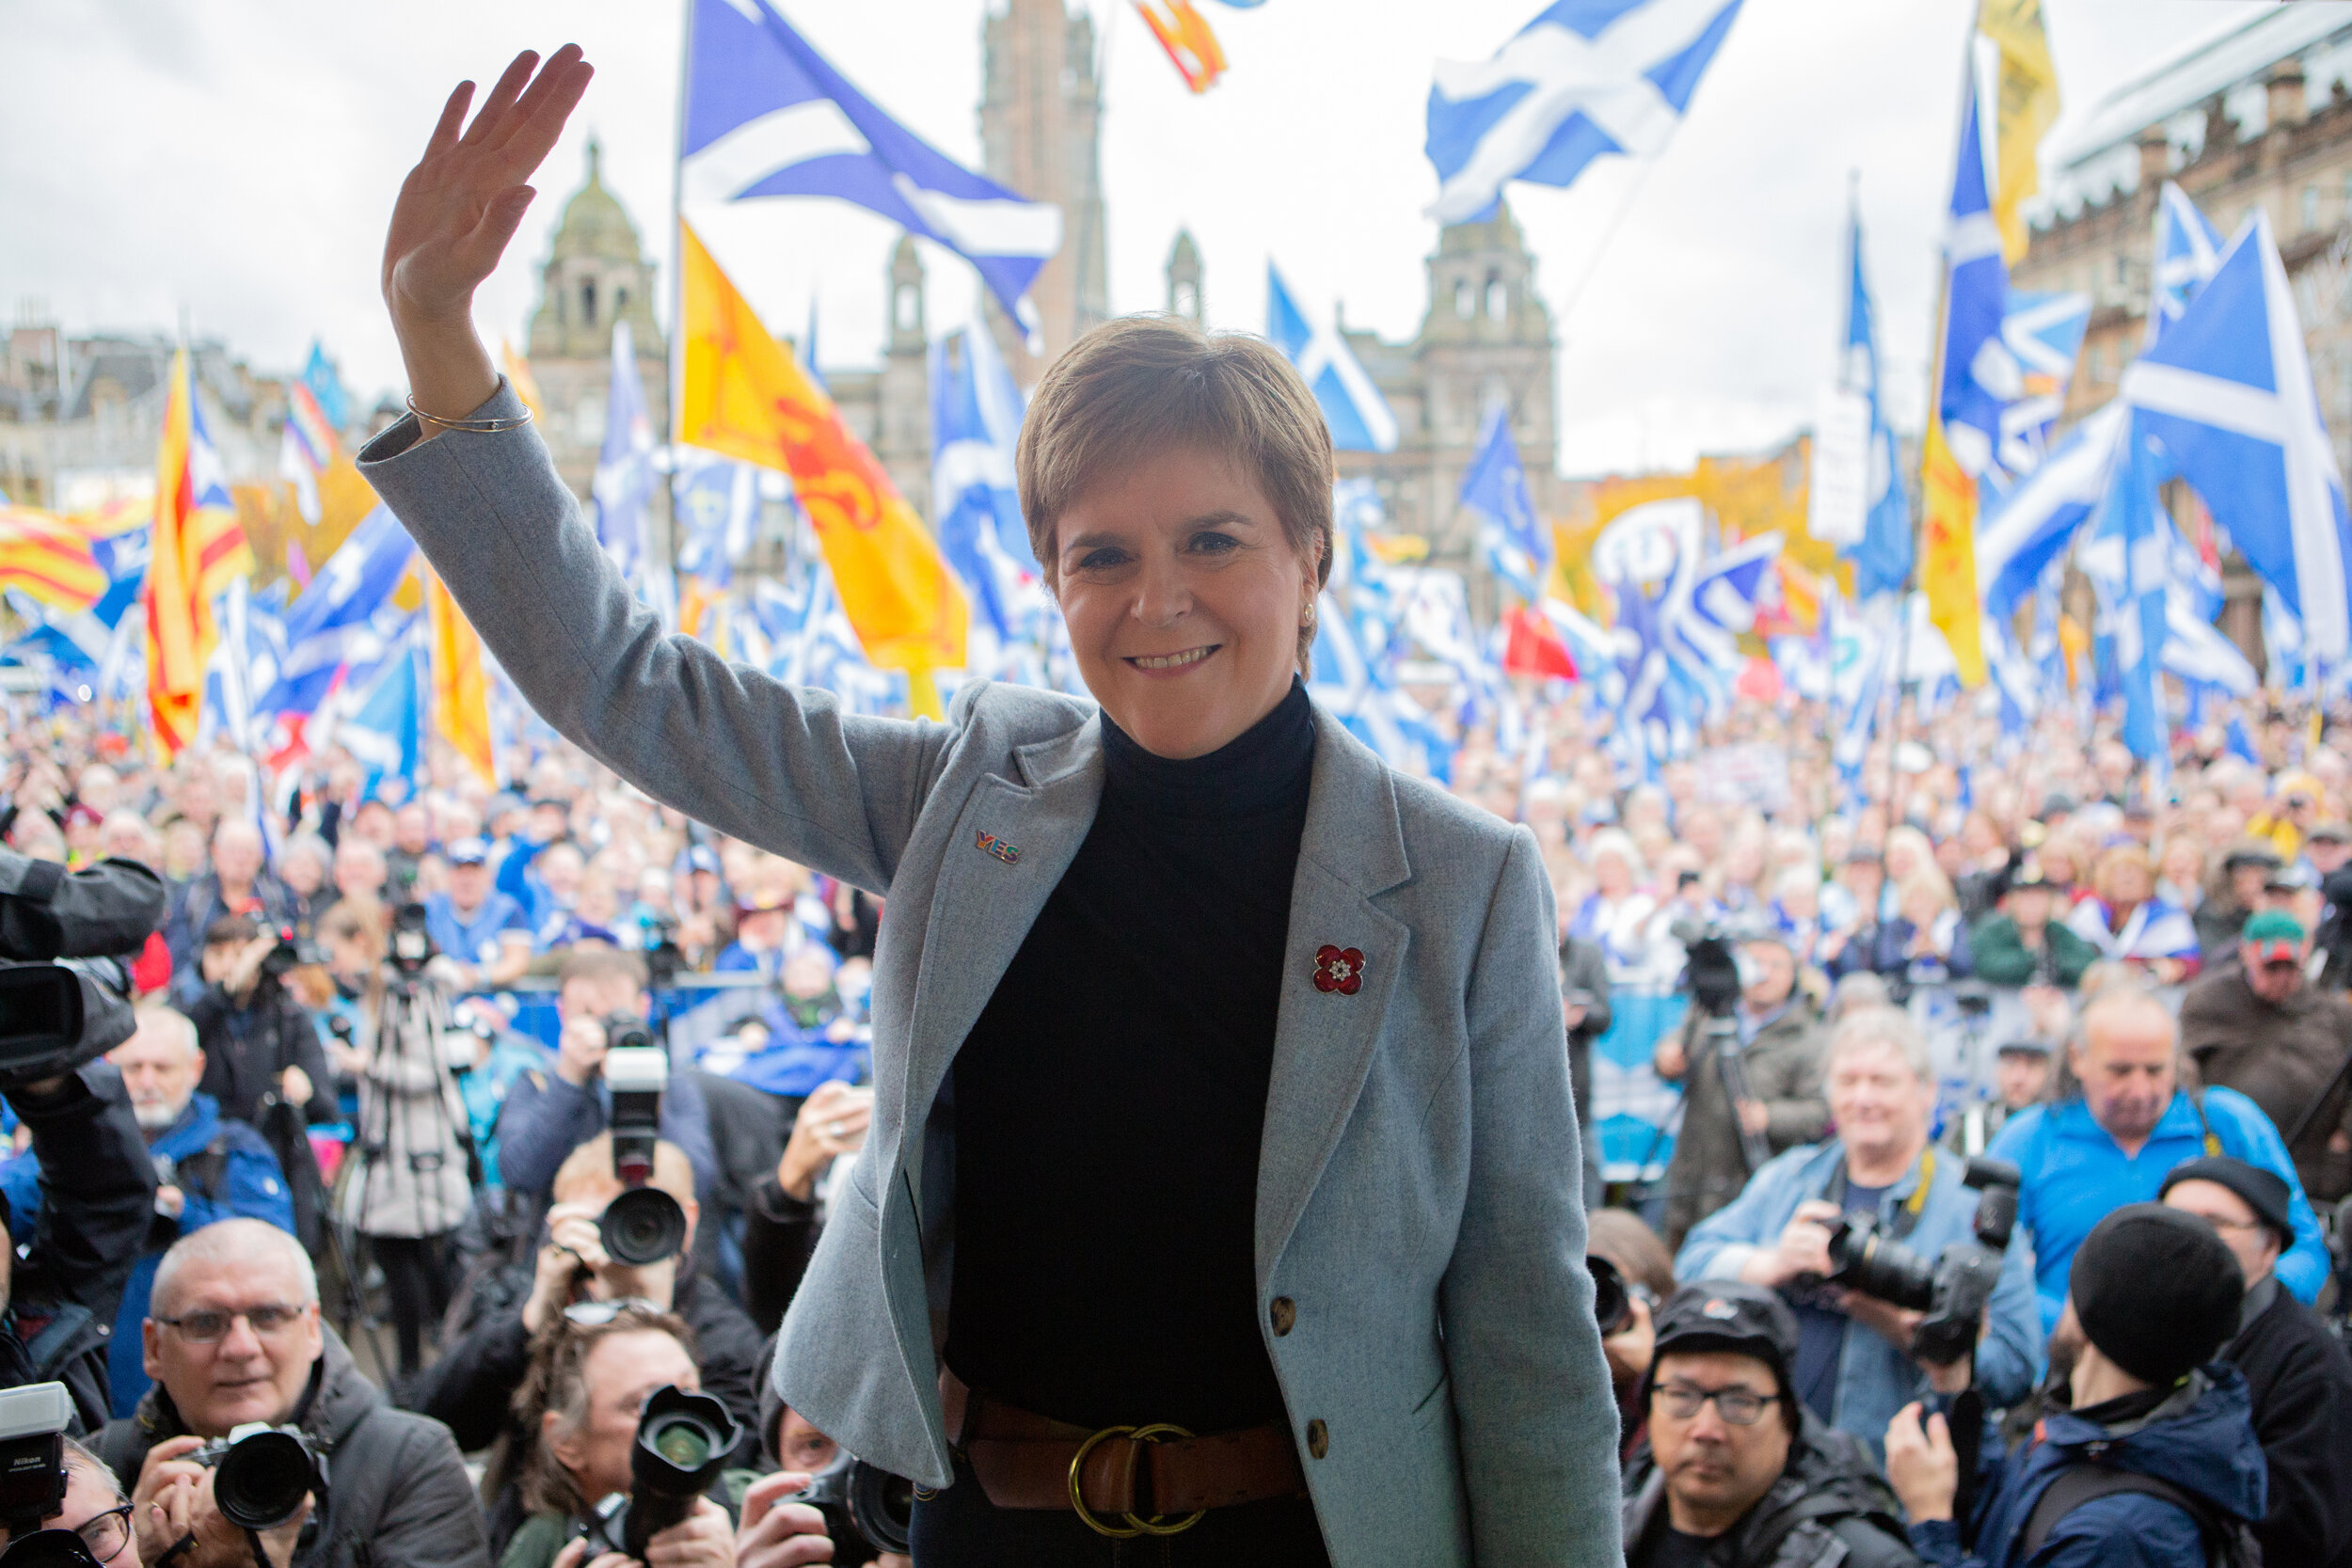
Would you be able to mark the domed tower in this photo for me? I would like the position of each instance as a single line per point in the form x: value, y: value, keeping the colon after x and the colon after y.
x: 596, y: 275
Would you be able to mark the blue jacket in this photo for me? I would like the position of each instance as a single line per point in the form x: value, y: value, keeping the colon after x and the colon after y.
x: 2201, y: 1440
x: 476, y: 941
x: 1875, y: 1378
x: 2075, y: 1176
x: 546, y: 1117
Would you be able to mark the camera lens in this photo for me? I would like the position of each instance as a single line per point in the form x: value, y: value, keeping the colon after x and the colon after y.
x: 1612, y: 1305
x: 49, y: 1549
x: 642, y: 1226
x: 683, y: 1441
x: 881, y: 1505
x: 1865, y: 1261
x: 263, y: 1479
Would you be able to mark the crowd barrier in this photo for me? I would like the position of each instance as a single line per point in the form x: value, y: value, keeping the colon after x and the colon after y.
x: 699, y: 1007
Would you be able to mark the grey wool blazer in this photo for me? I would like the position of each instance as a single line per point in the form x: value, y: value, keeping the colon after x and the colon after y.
x: 1418, y: 1180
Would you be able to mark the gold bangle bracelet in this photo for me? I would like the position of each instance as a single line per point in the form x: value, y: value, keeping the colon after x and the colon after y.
x: 480, y: 427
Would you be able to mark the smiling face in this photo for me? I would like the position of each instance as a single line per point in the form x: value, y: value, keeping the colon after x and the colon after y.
x: 1184, y: 600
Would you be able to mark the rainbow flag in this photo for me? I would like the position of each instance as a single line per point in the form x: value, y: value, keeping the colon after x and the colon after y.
x: 744, y: 396
x: 198, y: 549
x: 50, y: 557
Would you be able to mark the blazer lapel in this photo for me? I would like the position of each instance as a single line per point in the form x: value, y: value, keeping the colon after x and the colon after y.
x: 1006, y: 854
x: 1353, y: 848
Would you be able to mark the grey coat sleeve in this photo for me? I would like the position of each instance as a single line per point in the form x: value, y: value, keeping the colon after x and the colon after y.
x: 1538, y: 1418
x: 781, y: 767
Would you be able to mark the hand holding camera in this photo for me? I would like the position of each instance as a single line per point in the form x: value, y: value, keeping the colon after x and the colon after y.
x: 683, y: 1442
x: 212, y: 1493
x: 776, y: 1532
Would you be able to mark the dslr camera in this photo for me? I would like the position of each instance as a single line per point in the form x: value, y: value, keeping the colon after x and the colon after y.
x: 644, y: 1225
x: 33, y: 1420
x: 683, y: 1442
x: 65, y: 944
x: 867, y: 1511
x: 1953, y: 1288
x: 260, y: 1473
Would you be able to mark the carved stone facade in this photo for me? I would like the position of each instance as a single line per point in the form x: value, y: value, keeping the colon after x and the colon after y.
x: 1039, y: 108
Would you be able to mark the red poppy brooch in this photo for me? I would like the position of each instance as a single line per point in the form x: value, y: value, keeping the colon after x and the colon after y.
x: 1339, y: 969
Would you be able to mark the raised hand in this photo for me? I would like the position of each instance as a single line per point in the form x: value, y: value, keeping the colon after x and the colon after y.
x: 457, y: 210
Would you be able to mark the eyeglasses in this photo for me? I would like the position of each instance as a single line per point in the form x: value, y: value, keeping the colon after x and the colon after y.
x: 1742, y: 1407
x: 103, y: 1535
x: 596, y: 1314
x: 211, y: 1327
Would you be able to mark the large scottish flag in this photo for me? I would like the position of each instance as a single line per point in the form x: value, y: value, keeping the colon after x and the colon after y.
x: 1980, y: 375
x: 1584, y: 78
x: 2043, y: 332
x: 1359, y: 416
x: 976, y: 423
x: 766, y: 115
x: 344, y: 618
x: 2228, y: 392
x: 2019, y: 536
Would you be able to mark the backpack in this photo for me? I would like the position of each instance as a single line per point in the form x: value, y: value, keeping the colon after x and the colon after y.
x: 2229, y: 1541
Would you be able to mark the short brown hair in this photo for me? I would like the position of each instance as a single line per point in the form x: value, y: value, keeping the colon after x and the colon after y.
x: 1144, y: 383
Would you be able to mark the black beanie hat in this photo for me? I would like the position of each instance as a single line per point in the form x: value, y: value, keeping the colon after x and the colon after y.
x: 2155, y: 1291
x: 2266, y: 1192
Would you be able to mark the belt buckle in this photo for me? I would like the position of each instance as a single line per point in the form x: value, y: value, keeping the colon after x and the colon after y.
x: 1134, y: 1525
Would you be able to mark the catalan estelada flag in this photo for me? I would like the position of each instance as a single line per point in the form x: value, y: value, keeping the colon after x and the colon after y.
x: 461, y: 692
x: 745, y: 397
x: 198, y: 549
x: 48, y: 558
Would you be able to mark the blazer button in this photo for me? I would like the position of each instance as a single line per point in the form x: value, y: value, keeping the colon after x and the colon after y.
x: 1318, y: 1439
x: 1285, y: 1314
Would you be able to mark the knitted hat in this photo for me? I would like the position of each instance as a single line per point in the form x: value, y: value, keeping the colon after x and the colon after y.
x: 2155, y: 1291
x: 2265, y: 1192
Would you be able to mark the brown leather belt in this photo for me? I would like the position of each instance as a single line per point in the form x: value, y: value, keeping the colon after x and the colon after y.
x: 1121, y: 1480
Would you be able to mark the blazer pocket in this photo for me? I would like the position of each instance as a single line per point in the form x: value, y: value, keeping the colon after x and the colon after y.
x: 1433, y: 1402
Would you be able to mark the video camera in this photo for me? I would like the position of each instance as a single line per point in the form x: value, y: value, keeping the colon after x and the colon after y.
x: 644, y: 1225
x: 683, y: 1442
x: 1710, y: 969
x: 65, y: 988
x: 411, y: 946
x: 867, y: 1511
x: 290, y: 955
x: 260, y: 1473
x: 1952, y: 1291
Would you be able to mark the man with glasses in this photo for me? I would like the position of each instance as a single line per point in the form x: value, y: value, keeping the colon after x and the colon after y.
x: 233, y: 1336
x: 94, y: 1509
x: 1735, y: 1472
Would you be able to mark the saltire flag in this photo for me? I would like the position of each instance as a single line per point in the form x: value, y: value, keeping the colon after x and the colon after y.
x: 2197, y: 650
x: 1584, y: 78
x: 306, y: 449
x: 344, y: 618
x: 2043, y: 333
x: 2023, y: 531
x: 766, y: 115
x: 1359, y: 416
x: 1978, y: 377
x: 50, y: 557
x: 2188, y: 250
x: 1883, y: 556
x: 1185, y: 35
x: 717, y: 505
x: 198, y: 549
x: 2027, y: 97
x: 623, y: 484
x: 743, y: 396
x: 976, y: 501
x: 1710, y: 607
x: 2228, y: 392
x: 326, y: 390
x: 1515, y: 543
x: 2127, y: 562
x: 1360, y: 691
x: 461, y: 689
x: 385, y: 733
x: 2282, y: 641
x: 244, y: 663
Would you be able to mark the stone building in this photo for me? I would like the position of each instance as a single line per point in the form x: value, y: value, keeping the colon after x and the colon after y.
x: 2257, y: 114
x: 1040, y: 106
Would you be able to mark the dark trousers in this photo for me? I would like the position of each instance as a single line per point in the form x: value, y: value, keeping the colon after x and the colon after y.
x: 960, y: 1527
x: 416, y: 1281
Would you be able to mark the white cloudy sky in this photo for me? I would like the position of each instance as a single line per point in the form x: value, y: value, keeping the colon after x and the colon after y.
x: 235, y: 160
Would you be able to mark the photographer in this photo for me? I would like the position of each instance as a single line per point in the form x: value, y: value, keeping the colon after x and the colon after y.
x: 1879, y: 1171
x: 70, y: 1264
x: 238, y: 883
x: 1774, y: 1051
x: 472, y: 1385
x: 2155, y: 1465
x: 94, y: 1507
x: 547, y: 1116
x: 1735, y: 1472
x: 235, y: 1336
x: 580, y: 1405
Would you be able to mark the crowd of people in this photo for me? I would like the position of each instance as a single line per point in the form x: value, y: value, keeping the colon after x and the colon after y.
x: 369, y: 1074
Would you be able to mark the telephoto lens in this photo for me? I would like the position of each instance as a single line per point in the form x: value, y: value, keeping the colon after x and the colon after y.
x: 261, y: 1474
x: 642, y: 1226
x: 1865, y: 1258
x: 683, y: 1441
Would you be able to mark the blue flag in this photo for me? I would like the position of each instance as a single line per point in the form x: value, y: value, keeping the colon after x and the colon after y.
x: 1515, y: 540
x: 2188, y: 250
x: 976, y: 423
x: 2127, y: 563
x: 1359, y: 416
x: 319, y: 375
x: 1980, y: 375
x: 1586, y: 78
x: 1881, y: 560
x: 766, y: 115
x: 623, y: 484
x: 387, y: 731
x: 344, y: 618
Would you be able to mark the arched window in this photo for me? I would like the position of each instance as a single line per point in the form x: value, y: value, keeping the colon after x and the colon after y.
x: 588, y: 303
x: 1498, y: 298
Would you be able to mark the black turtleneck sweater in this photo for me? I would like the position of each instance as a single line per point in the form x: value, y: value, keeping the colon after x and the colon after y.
x: 1108, y: 1102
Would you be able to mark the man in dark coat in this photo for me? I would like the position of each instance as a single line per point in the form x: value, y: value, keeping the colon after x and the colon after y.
x: 234, y: 1338
x: 2296, y: 1372
x: 2261, y: 1028
x: 1775, y: 1055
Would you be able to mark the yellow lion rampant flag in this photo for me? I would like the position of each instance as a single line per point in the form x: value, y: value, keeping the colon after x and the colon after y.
x: 2028, y: 102
x: 745, y: 397
x: 1947, y: 556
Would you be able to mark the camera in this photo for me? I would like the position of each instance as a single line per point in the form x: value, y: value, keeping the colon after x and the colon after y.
x: 1611, y: 1303
x: 664, y: 957
x: 867, y: 1511
x: 33, y: 1420
x: 290, y: 955
x: 411, y: 944
x: 644, y: 1225
x: 1952, y: 1291
x: 683, y: 1442
x: 60, y: 1015
x: 1710, y: 970
x: 260, y: 1473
